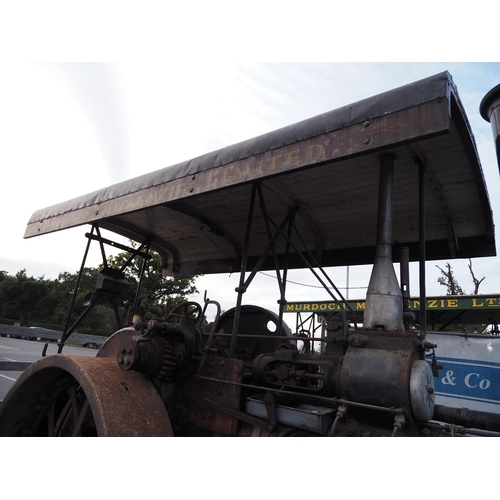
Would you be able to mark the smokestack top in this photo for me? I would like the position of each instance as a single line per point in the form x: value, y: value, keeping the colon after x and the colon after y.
x: 490, y: 101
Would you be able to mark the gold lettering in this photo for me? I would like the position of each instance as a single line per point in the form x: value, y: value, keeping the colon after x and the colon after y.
x: 314, y: 152
x: 331, y: 306
x: 360, y: 305
x: 452, y: 302
x: 432, y: 304
x: 315, y: 307
x: 175, y: 192
x: 209, y: 177
x: 492, y: 301
x: 475, y: 304
x: 322, y: 307
x: 416, y: 303
x: 272, y: 162
x: 240, y: 172
x: 289, y: 307
x: 307, y: 307
x: 292, y: 158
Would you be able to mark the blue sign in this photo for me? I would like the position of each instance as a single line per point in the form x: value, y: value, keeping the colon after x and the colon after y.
x: 477, y: 381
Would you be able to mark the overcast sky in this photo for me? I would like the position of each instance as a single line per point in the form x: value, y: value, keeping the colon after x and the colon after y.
x: 71, y: 128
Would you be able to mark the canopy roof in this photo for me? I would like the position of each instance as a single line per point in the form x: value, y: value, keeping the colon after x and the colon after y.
x: 328, y: 167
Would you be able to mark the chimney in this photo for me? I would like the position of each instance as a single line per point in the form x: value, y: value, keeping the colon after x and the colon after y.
x: 490, y: 111
x: 384, y: 300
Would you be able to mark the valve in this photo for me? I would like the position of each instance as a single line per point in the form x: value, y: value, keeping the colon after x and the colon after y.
x: 341, y: 412
x: 399, y: 422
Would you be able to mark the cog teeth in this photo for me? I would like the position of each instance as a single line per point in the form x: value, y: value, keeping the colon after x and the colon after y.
x: 166, y: 372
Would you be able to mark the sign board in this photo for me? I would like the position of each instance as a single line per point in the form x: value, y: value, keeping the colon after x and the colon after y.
x: 470, y: 377
x: 443, y: 303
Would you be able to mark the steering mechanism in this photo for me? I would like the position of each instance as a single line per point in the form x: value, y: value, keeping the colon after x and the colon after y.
x: 190, y: 312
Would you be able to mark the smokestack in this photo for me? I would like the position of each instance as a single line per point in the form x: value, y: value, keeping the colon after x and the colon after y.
x: 490, y: 111
x: 384, y: 300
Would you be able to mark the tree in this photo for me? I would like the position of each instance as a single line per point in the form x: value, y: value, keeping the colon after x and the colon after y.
x: 449, y: 281
x: 158, y: 292
x: 29, y: 300
x: 24, y: 298
x: 101, y: 319
x: 474, y: 279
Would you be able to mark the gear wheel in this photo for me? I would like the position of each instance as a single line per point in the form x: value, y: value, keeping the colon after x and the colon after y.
x: 169, y: 363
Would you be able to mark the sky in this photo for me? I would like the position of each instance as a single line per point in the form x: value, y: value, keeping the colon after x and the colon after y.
x: 71, y: 128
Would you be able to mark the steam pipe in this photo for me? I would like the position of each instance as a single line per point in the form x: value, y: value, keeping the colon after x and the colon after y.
x: 490, y: 111
x: 467, y: 418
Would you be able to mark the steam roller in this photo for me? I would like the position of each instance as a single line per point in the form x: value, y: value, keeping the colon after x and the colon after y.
x: 393, y: 178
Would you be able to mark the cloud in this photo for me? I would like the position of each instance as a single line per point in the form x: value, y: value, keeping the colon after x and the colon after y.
x: 98, y: 91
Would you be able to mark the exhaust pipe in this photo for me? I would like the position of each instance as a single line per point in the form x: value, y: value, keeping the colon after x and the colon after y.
x: 490, y: 111
x: 384, y: 299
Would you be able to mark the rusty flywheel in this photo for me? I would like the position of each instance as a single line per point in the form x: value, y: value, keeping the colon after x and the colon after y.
x: 64, y: 395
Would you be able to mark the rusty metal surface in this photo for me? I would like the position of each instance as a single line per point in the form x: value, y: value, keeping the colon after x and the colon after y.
x: 202, y: 397
x: 122, y: 404
x: 376, y: 368
x: 326, y: 166
x: 114, y: 343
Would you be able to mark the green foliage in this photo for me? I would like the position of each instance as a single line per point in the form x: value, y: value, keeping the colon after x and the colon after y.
x: 100, y: 321
x: 158, y: 292
x: 448, y: 280
x: 32, y: 301
x: 23, y: 298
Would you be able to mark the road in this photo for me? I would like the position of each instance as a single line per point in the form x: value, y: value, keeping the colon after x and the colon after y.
x: 28, y: 351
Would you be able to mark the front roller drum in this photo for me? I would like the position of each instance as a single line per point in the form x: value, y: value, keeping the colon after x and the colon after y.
x: 65, y: 396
